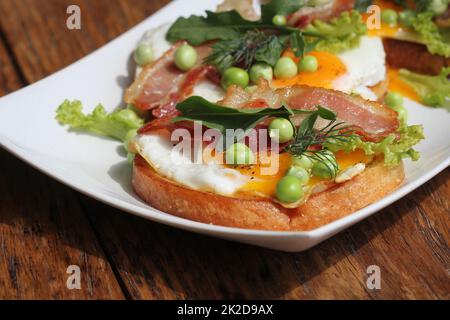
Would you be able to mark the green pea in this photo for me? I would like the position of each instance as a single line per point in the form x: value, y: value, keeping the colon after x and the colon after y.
x: 239, y: 154
x: 308, y: 64
x: 128, y: 138
x: 186, y: 57
x: 326, y: 168
x: 281, y: 130
x: 261, y: 70
x: 438, y: 6
x: 279, y: 20
x: 407, y: 17
x: 300, y: 173
x: 303, y: 161
x: 235, y: 76
x: 389, y: 17
x: 289, y: 189
x: 285, y: 68
x: 143, y: 54
x: 393, y: 99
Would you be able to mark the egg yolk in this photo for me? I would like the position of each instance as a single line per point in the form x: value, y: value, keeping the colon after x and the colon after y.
x: 330, y: 68
x: 264, y: 185
x: 401, y: 87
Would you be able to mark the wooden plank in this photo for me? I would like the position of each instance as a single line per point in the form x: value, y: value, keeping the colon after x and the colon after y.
x: 408, y: 241
x: 40, y: 40
x: 43, y: 230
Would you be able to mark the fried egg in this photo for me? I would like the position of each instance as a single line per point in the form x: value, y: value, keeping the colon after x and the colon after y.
x: 245, y: 182
x: 353, y: 71
x: 161, y: 155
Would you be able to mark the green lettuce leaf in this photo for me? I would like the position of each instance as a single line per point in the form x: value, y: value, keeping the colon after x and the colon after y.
x: 435, y: 39
x: 340, y: 34
x: 434, y: 90
x: 393, y: 147
x: 116, y: 124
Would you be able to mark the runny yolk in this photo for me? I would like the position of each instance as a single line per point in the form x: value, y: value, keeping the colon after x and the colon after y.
x: 261, y: 184
x: 401, y: 87
x: 330, y: 68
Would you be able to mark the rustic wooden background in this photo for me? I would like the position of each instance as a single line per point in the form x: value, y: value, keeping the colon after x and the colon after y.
x: 45, y: 226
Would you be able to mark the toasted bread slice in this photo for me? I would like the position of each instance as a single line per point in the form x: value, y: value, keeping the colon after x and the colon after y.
x: 413, y: 56
x: 371, y: 185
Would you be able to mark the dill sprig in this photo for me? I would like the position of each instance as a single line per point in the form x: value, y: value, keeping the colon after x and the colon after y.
x: 308, y: 141
x: 253, y: 46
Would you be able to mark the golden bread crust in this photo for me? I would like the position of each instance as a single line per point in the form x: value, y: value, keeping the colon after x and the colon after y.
x: 263, y: 214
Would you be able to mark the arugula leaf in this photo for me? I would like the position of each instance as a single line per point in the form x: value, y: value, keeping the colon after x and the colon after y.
x: 116, y: 124
x: 279, y: 7
x: 221, y: 118
x: 229, y: 25
x: 434, y: 90
x: 215, y: 26
x: 362, y: 5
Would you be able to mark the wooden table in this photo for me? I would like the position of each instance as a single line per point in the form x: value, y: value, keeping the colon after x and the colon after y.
x: 45, y: 226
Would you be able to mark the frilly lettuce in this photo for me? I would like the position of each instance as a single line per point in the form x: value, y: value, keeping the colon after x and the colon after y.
x: 434, y: 90
x: 435, y: 39
x: 116, y: 124
x: 393, y: 147
x: 340, y: 34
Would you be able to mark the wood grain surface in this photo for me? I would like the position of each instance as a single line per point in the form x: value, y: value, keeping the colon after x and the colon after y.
x: 45, y: 226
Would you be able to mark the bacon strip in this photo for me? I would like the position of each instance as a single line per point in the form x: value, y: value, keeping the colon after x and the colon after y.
x: 375, y: 120
x: 184, y: 90
x: 162, y: 83
x: 326, y: 12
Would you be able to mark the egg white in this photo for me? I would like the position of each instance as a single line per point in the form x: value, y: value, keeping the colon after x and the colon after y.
x: 366, y: 67
x: 160, y: 153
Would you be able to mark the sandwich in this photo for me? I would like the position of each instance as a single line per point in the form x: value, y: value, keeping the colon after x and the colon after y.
x: 275, y: 119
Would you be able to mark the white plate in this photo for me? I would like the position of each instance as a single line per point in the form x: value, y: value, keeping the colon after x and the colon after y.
x: 95, y: 167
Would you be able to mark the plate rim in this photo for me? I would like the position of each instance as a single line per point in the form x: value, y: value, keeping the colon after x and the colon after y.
x: 159, y: 216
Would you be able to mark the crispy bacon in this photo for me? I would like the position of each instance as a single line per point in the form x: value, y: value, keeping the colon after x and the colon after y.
x: 326, y: 12
x: 373, y: 119
x: 163, y: 84
x: 184, y: 90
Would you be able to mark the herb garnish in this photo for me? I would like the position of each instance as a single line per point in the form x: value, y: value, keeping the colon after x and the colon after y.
x: 253, y: 46
x: 243, y: 42
x: 308, y: 141
x: 218, y: 117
